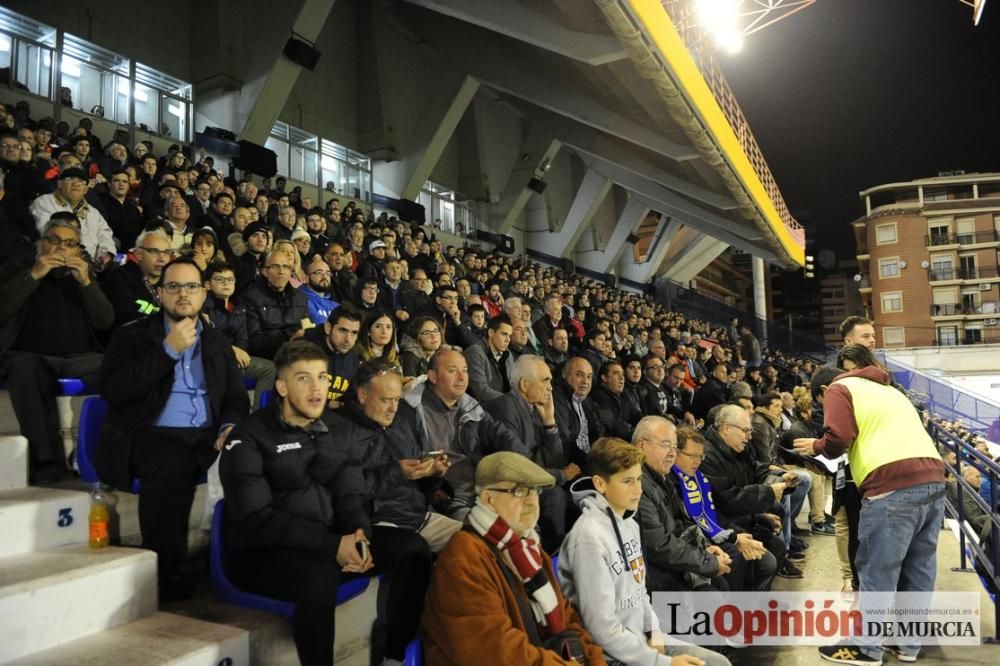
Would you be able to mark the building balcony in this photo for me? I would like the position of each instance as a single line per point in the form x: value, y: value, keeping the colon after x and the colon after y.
x: 864, y: 284
x: 986, y: 336
x: 975, y: 273
x: 975, y: 238
x: 946, y: 309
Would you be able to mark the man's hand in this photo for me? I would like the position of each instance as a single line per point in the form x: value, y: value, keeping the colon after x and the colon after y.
x: 334, y: 404
x: 297, y: 334
x: 749, y: 548
x: 791, y: 478
x: 221, y: 439
x: 455, y: 313
x: 80, y: 269
x: 414, y: 468
x: 547, y: 412
x: 779, y: 489
x: 183, y: 334
x: 805, y: 446
x: 242, y: 358
x: 46, y: 263
x: 402, y: 315
x: 689, y: 419
x: 349, y: 558
x: 774, y: 520
x: 571, y: 471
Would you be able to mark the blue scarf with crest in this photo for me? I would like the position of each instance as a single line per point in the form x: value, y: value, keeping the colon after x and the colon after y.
x: 696, y: 494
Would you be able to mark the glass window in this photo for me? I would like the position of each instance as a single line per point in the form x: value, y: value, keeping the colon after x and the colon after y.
x: 885, y: 234
x: 947, y: 336
x: 892, y: 301
x: 965, y: 229
x: 281, y: 148
x: 174, y: 113
x: 146, y: 103
x: 888, y: 268
x: 34, y: 68
x: 893, y: 336
x: 5, y: 48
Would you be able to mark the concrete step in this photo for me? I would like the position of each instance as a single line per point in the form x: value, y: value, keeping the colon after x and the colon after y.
x: 161, y: 638
x: 13, y: 462
x: 37, y: 518
x: 52, y: 597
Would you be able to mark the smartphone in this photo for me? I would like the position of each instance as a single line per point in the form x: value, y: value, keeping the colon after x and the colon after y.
x: 362, y: 549
x: 441, y: 453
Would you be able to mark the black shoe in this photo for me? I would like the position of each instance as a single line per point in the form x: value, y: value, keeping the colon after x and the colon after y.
x: 796, y: 556
x: 822, y: 529
x: 50, y: 472
x: 829, y: 520
x: 797, y: 544
x: 800, y: 531
x: 175, y: 588
x: 847, y: 654
x: 789, y: 570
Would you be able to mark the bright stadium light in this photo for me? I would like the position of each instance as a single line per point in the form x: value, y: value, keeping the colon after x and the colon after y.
x: 721, y: 19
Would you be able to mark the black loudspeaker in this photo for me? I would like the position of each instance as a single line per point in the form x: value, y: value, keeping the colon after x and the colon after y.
x: 567, y: 265
x: 502, y: 243
x: 256, y: 159
x: 301, y: 53
x: 612, y: 280
x: 537, y: 185
x: 411, y: 211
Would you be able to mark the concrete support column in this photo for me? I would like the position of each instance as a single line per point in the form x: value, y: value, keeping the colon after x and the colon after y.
x: 644, y: 272
x: 589, y: 197
x: 760, y: 295
x: 515, y: 195
x: 632, y: 215
x: 693, y: 259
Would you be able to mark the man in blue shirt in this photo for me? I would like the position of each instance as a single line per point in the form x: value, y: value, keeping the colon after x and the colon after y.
x: 174, y: 391
x: 321, y: 303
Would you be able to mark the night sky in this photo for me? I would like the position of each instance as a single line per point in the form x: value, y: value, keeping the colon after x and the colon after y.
x: 847, y: 94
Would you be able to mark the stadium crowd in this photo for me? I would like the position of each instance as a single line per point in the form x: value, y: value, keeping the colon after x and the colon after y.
x: 431, y: 404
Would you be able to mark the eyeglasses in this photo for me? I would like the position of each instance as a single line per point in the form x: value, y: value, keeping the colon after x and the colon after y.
x: 175, y: 287
x: 321, y: 273
x: 433, y: 331
x: 746, y: 431
x: 691, y: 455
x: 519, y: 492
x: 156, y: 252
x: 218, y: 279
x: 654, y: 367
x: 67, y: 243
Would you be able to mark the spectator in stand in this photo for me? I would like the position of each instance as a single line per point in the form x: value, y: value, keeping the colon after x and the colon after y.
x: 396, y: 295
x: 95, y: 234
x: 615, y: 412
x: 119, y: 209
x: 316, y: 226
x: 519, y: 342
x: 424, y: 340
x: 576, y: 415
x: 131, y: 288
x: 551, y: 319
x: 294, y: 519
x: 317, y: 291
x: 338, y: 337
x: 477, y: 588
x: 490, y: 361
x: 899, y: 473
x: 229, y: 317
x: 680, y: 399
x: 249, y: 265
x: 655, y: 400
x: 174, y: 392
x: 219, y: 215
x: 745, y: 491
x: 714, y: 392
x: 595, y: 353
x: 49, y: 315
x: 364, y: 299
x: 602, y: 564
x: 177, y: 216
x: 377, y: 340
x: 494, y: 298
x: 556, y: 350
x: 529, y: 412
x: 205, y: 249
x: 749, y: 347
x: 286, y: 223
x: 276, y: 312
x: 341, y: 279
x: 802, y: 427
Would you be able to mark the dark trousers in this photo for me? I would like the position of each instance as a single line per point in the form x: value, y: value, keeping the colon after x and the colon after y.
x: 31, y: 380
x: 552, y: 504
x: 850, y: 499
x: 310, y: 581
x: 169, y: 462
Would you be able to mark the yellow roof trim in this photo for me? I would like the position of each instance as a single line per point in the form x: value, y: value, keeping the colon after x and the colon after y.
x: 660, y: 28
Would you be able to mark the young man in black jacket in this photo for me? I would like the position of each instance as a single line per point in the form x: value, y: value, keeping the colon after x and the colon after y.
x: 295, y: 506
x: 174, y: 392
x: 337, y: 337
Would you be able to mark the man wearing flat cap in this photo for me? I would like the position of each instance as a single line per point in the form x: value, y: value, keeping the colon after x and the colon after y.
x: 95, y: 234
x: 494, y: 588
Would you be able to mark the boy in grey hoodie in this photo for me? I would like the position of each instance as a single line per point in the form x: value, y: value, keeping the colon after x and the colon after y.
x: 601, y: 565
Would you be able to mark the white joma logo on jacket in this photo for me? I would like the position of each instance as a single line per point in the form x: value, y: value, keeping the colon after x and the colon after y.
x: 288, y: 447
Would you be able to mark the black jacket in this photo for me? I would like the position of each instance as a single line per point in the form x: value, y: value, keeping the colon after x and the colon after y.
x: 136, y: 379
x: 615, y: 412
x: 126, y: 289
x: 272, y: 316
x: 342, y: 284
x: 124, y: 219
x: 712, y: 393
x: 737, y: 482
x: 394, y: 498
x: 247, y: 267
x: 288, y: 487
x: 655, y: 401
x: 540, y: 444
x: 670, y: 539
x: 342, y: 367
x: 233, y: 324
x: 456, y: 335
x: 679, y: 401
x: 569, y: 422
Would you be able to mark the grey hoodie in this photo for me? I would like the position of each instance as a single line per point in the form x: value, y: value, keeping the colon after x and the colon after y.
x: 607, y: 585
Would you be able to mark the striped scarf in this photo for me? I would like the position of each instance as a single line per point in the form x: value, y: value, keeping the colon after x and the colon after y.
x: 526, y: 556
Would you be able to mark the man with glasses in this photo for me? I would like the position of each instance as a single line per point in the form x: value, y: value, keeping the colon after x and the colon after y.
x: 445, y: 310
x: 95, y: 234
x: 49, y: 313
x: 748, y: 497
x: 131, y: 288
x: 655, y: 401
x: 476, y: 589
x: 174, y: 391
x: 317, y: 291
x: 276, y: 311
x: 119, y: 210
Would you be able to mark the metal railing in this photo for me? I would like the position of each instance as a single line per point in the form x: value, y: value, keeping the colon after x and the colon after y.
x: 973, y: 273
x: 987, y: 236
x: 701, y: 51
x: 950, y: 309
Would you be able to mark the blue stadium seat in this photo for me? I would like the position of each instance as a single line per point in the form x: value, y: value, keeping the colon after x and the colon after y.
x: 555, y: 564
x: 249, y: 383
x: 72, y: 386
x: 231, y: 594
x: 265, y: 398
x: 92, y: 416
x: 414, y: 653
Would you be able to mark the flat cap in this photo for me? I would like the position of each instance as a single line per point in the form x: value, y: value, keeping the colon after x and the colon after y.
x: 513, y: 468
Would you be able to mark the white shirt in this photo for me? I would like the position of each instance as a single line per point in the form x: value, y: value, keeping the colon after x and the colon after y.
x: 95, y: 234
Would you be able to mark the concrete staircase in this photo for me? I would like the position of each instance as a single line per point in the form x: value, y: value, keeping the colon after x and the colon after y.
x: 63, y: 603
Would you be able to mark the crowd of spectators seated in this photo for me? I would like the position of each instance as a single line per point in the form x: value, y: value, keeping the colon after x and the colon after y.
x: 162, y: 282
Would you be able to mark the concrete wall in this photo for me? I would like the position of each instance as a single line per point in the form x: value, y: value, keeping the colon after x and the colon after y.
x: 963, y: 360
